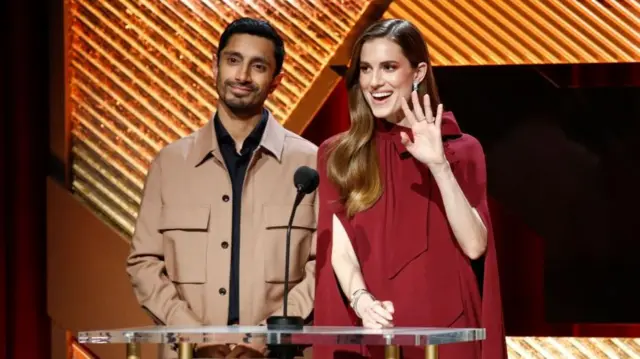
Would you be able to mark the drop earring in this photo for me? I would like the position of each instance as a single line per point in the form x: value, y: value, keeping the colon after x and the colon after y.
x: 415, y: 86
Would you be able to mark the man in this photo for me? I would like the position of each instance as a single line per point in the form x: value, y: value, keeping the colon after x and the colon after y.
x: 209, y: 243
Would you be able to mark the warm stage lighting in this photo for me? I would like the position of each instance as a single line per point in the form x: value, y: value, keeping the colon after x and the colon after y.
x: 140, y: 77
x: 499, y: 32
x: 140, y: 71
x: 576, y: 348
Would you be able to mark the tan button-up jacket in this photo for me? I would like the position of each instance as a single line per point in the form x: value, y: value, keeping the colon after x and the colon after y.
x: 180, y: 257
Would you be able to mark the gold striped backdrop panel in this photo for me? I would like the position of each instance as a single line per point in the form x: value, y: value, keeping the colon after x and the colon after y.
x: 533, y: 348
x: 573, y: 348
x: 140, y: 77
x: 515, y: 32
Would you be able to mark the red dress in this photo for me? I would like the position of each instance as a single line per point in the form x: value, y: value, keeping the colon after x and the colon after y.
x: 408, y: 253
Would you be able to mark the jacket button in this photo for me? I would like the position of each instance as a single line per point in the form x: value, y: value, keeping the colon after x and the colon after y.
x: 225, y: 198
x: 224, y: 245
x: 222, y: 291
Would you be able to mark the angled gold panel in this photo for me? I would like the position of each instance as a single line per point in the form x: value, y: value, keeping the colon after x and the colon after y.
x: 501, y: 32
x: 140, y: 78
x: 576, y: 348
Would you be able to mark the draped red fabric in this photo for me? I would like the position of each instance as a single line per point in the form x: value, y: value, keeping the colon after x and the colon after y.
x: 523, y: 286
x: 520, y: 250
x: 24, y: 321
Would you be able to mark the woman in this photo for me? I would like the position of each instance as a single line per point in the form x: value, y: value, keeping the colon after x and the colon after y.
x: 403, y: 208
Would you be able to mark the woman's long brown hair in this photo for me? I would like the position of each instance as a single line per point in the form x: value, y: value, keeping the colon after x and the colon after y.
x: 353, y: 165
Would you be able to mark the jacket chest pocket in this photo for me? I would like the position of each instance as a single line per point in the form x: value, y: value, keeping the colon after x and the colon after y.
x: 184, y: 230
x: 276, y: 219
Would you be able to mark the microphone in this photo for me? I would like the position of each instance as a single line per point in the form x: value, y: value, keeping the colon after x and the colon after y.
x: 306, y: 181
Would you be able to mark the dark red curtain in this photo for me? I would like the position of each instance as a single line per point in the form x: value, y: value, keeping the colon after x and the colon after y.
x: 332, y: 118
x: 3, y: 222
x: 24, y: 322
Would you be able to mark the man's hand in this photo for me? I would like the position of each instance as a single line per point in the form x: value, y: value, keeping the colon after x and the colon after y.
x: 213, y: 351
x: 248, y: 350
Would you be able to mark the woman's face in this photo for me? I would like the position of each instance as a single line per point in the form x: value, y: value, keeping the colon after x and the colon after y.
x: 386, y: 76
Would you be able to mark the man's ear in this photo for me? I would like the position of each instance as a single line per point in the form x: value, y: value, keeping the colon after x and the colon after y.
x: 275, y: 82
x: 214, y: 69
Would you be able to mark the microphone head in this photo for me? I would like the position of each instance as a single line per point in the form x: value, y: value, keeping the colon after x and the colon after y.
x: 306, y: 179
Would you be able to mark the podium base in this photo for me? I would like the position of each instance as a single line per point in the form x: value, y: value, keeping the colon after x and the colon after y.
x: 285, y: 323
x: 284, y: 351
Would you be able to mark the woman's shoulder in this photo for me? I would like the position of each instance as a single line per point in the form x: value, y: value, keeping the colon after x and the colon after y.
x: 329, y: 141
x: 328, y: 144
x: 323, y: 152
x: 465, y: 147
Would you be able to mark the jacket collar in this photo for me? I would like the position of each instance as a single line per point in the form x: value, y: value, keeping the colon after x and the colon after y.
x: 206, y: 144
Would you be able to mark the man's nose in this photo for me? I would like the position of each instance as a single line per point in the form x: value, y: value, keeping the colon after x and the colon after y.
x: 243, y: 74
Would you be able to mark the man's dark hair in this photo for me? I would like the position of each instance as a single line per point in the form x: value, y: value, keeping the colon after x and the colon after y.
x: 255, y: 27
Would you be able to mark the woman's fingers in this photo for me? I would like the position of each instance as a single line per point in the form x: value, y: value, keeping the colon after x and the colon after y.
x: 376, y: 313
x: 388, y: 306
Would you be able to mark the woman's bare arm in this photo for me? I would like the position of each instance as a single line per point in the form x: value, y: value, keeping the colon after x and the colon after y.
x: 345, y: 262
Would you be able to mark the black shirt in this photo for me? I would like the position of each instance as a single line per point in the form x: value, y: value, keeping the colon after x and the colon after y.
x: 237, y: 164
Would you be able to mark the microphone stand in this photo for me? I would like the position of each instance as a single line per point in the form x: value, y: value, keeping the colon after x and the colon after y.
x: 286, y: 322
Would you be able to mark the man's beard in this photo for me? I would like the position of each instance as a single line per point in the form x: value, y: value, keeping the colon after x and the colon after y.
x: 240, y: 104
x: 248, y: 104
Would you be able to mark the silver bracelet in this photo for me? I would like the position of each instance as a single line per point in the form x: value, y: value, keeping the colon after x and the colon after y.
x: 357, y: 293
x: 356, y: 296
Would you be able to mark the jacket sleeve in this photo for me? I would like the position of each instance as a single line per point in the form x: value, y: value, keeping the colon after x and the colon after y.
x: 145, y: 263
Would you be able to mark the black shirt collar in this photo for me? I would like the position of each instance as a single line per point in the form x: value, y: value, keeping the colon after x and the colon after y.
x: 254, y: 137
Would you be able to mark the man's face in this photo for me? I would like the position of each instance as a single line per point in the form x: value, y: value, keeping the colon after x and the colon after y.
x: 244, y: 73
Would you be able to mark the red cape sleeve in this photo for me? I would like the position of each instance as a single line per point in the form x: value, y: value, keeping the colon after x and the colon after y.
x: 331, y: 308
x: 472, y: 174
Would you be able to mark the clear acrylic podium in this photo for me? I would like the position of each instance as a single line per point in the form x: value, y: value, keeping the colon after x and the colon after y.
x: 185, y: 337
